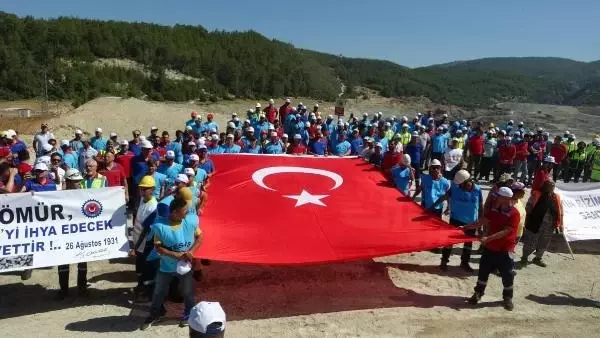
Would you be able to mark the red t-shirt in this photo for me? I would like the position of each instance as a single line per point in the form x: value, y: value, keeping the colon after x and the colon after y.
x: 271, y: 113
x: 125, y: 161
x: 559, y: 152
x: 540, y: 177
x: 284, y: 110
x: 507, y: 153
x: 498, y: 220
x: 116, y: 176
x: 521, y: 151
x: 296, y: 149
x: 476, y: 145
x: 390, y: 159
x: 4, y: 151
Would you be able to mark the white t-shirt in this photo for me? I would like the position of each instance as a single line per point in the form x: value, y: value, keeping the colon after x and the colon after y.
x: 452, y: 158
x: 61, y: 175
x: 143, y: 211
x: 42, y: 139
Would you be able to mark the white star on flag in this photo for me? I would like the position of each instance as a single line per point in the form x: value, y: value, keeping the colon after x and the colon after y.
x: 307, y: 198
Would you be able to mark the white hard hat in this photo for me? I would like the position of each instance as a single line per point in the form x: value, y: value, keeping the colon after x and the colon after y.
x: 46, y: 147
x: 271, y: 101
x: 435, y: 163
x: 113, y: 134
x: 250, y: 129
x: 297, y: 137
x: 231, y: 125
x: 78, y: 132
x: 98, y: 130
x: 288, y: 101
x: 505, y: 192
x: 258, y: 105
x: 461, y: 176
x: 406, y: 159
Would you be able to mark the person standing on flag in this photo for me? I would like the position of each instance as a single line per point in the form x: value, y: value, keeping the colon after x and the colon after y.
x: 503, y: 224
x: 433, y: 186
x: 465, y: 206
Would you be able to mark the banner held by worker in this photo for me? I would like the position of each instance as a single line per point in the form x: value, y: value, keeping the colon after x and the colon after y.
x: 61, y: 227
x: 581, y: 208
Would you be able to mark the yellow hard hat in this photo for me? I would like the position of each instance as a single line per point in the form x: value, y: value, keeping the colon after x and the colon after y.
x: 492, y: 125
x: 147, y: 182
x: 185, y: 193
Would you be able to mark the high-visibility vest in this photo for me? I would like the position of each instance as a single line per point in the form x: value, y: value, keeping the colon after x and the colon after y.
x: 405, y: 138
x: 97, y: 182
x: 596, y: 166
x: 577, y: 155
x: 571, y: 146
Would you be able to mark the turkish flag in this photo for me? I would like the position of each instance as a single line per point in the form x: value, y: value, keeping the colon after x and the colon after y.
x: 300, y: 209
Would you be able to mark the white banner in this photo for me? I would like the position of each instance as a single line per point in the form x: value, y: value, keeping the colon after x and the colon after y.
x: 581, y: 208
x: 61, y: 227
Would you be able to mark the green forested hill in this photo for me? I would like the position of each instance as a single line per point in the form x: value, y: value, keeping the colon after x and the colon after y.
x: 246, y: 64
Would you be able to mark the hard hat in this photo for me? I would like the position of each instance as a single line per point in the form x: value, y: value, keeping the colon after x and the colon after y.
x: 406, y: 159
x: 271, y: 101
x: 461, y: 176
x: 435, y: 163
x: 147, y: 182
x: 258, y: 105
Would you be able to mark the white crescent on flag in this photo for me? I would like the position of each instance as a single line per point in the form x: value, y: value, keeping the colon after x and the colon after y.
x: 259, y: 176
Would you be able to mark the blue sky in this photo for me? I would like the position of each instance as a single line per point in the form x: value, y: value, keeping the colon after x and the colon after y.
x: 411, y: 33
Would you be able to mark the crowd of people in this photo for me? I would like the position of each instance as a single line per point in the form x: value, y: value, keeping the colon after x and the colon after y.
x: 167, y: 180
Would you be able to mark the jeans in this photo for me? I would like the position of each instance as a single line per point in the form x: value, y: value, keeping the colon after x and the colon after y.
x: 556, y: 171
x: 490, y: 261
x: 520, y: 168
x: 161, y: 286
x: 475, y: 165
x: 467, y: 246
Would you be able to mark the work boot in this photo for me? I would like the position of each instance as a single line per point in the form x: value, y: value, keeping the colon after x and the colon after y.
x: 508, y: 304
x: 538, y: 261
x: 444, y: 266
x: 467, y: 267
x: 474, y: 299
x: 522, y: 263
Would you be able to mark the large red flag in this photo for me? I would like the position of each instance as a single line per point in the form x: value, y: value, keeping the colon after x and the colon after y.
x: 295, y: 210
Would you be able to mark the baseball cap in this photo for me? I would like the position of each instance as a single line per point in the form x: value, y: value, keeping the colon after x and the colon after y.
x: 142, y: 138
x: 78, y: 132
x: 188, y: 128
x: 229, y: 135
x: 64, y: 143
x: 154, y: 128
x: 182, y: 178
x: 201, y: 147
x: 189, y: 171
x: 415, y: 133
x: 273, y: 134
x: 231, y: 125
x: 146, y: 144
x: 46, y: 147
x: 215, y: 137
x: 250, y: 129
x: 505, y: 192
x: 207, y: 318
x: 170, y: 154
x: 73, y: 174
x: 192, y: 144
x: 41, y: 166
x: 435, y: 163
x: 378, y: 144
x: 517, y: 186
x: 297, y: 137
x: 549, y: 159
x: 113, y: 134
x: 194, y: 157
x: 124, y: 143
x: 98, y: 130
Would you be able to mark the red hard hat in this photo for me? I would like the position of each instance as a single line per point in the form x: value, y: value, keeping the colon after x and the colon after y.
x: 194, y: 113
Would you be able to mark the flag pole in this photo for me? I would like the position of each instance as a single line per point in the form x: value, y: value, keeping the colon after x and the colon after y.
x: 568, y: 245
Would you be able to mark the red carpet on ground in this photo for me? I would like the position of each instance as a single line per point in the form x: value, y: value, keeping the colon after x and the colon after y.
x: 303, y: 210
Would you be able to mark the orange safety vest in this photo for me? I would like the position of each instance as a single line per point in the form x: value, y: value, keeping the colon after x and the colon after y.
x: 535, y: 196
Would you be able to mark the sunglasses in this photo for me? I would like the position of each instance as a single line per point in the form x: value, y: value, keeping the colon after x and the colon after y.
x: 56, y: 160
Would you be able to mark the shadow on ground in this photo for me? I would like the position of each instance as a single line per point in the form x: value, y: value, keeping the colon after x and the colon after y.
x: 565, y: 299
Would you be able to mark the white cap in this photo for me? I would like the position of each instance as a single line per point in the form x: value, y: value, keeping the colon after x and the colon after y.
x: 258, y: 105
x: 192, y: 143
x: 284, y: 136
x: 435, y: 163
x: 288, y: 101
x: 98, y: 130
x: 43, y: 159
x: 46, y: 147
x: 78, y: 132
x: 379, y: 113
x: 404, y: 118
x: 200, y: 147
x: 307, y: 124
x: 181, y: 178
x: 378, y: 144
x: 142, y: 138
x: 511, y: 121
x: 415, y: 133
x: 365, y: 114
x: 461, y: 176
x: 445, y: 115
x: 271, y: 101
x: 549, y: 159
x: 215, y: 137
x: 188, y: 128
x: 194, y: 157
x: 316, y: 105
x: 404, y: 125
x: 273, y: 134
x: 229, y: 136
x: 154, y: 128
x: 387, y: 124
x: 406, y: 159
x: 113, y: 134
x: 505, y: 192
x: 73, y: 174
x: 146, y: 144
x: 170, y: 154
x: 297, y: 137
x: 207, y: 318
x: 189, y: 171
x: 231, y: 125
x: 64, y: 143
x: 234, y: 114
x: 271, y: 126
x: 124, y: 143
x: 250, y: 129
x: 41, y: 166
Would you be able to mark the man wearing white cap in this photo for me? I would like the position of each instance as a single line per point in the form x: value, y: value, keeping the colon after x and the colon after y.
x: 41, y: 138
x: 297, y: 148
x: 229, y: 147
x: 356, y: 142
x: 97, y: 141
x: 170, y: 168
x: 402, y: 175
x: 498, y: 244
x: 465, y: 204
x: 271, y: 112
x: 114, y: 137
x: 274, y: 146
x: 213, y: 145
x: 40, y: 182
